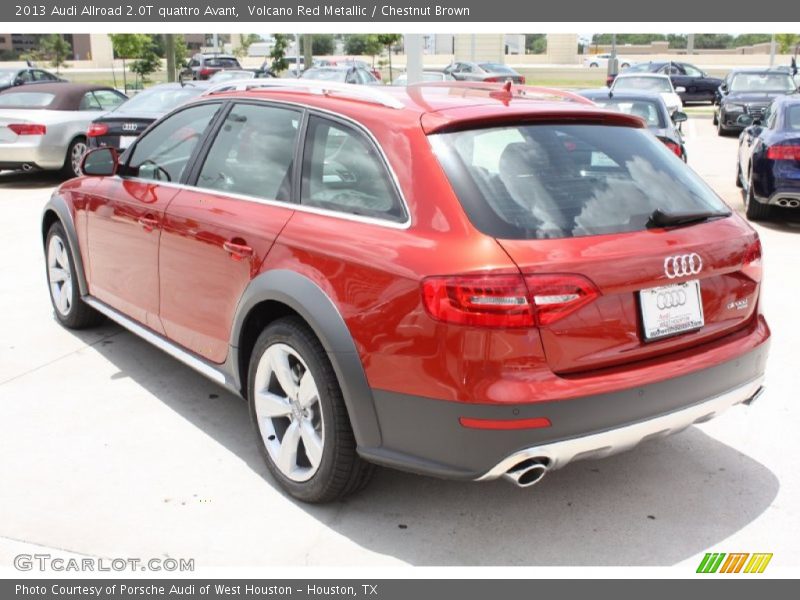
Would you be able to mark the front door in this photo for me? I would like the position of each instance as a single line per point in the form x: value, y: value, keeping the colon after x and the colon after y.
x: 125, y: 215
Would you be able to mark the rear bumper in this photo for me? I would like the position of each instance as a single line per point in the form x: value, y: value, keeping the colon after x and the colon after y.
x: 425, y: 436
x: 37, y: 153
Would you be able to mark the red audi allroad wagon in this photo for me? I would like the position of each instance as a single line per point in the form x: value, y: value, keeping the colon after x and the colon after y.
x: 462, y: 280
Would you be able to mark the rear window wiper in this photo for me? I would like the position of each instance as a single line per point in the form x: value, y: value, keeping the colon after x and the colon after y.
x: 660, y: 218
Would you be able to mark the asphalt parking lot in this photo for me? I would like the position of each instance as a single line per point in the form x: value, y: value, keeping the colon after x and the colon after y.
x: 111, y: 448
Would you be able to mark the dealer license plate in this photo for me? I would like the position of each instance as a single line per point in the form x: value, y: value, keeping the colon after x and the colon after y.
x: 125, y: 141
x: 671, y: 309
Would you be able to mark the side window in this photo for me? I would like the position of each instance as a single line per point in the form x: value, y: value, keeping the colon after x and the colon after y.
x: 108, y: 99
x: 770, y: 116
x: 692, y: 71
x: 343, y: 171
x: 253, y: 153
x: 163, y: 153
x: 39, y: 75
x: 25, y: 76
x: 89, y: 102
x: 351, y: 77
x: 194, y: 63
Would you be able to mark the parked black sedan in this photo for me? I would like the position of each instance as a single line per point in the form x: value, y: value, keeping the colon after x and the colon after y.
x: 25, y: 75
x: 768, y: 167
x: 750, y: 92
x: 121, y: 126
x: 651, y: 108
x: 699, y: 86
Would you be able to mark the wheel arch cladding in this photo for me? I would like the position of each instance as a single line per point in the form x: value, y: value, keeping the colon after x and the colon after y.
x: 56, y: 210
x: 289, y: 293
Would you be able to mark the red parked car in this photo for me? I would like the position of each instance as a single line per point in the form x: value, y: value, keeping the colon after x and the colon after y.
x: 462, y: 280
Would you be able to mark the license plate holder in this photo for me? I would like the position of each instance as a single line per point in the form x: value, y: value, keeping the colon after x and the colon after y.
x: 670, y: 310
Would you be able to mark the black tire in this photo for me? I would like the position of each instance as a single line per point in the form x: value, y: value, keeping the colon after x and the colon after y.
x: 78, y: 314
x: 722, y: 131
x: 340, y: 471
x: 714, y: 118
x: 72, y: 167
x: 739, y: 183
x: 755, y: 210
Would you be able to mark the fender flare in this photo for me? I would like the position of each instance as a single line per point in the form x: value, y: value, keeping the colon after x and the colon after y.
x: 57, y: 205
x: 317, y: 309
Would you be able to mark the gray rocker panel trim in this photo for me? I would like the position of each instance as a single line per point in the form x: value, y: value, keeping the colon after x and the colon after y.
x: 58, y: 205
x: 307, y: 299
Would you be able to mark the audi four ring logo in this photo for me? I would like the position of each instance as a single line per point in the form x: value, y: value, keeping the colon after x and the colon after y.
x: 130, y: 127
x: 670, y: 299
x: 682, y: 265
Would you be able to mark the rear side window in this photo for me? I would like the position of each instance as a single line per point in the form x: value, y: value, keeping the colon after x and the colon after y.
x: 793, y: 117
x: 343, y: 171
x: 558, y: 181
x: 164, y: 151
x: 253, y: 153
x: 26, y: 99
x: 108, y: 99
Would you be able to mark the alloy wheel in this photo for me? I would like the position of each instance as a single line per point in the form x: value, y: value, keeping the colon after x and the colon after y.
x: 288, y: 412
x: 59, y: 275
x: 78, y: 150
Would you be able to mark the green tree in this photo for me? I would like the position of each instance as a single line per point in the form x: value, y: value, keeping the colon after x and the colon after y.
x: 786, y: 42
x: 244, y: 47
x: 147, y: 64
x: 749, y: 39
x: 322, y: 44
x: 387, y: 40
x: 536, y: 43
x: 128, y: 45
x: 56, y: 50
x: 181, y: 51
x: 362, y: 44
x: 278, y: 53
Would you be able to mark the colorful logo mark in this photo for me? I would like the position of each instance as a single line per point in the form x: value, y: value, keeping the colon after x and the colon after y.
x: 734, y: 562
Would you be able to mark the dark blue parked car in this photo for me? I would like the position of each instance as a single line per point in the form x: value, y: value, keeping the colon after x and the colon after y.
x: 769, y: 159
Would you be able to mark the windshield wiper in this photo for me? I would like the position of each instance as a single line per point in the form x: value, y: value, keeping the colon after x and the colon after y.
x: 659, y: 218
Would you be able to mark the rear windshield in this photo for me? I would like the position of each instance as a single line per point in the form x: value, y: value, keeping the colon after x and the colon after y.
x: 646, y: 109
x: 225, y: 63
x: 793, y: 117
x: 26, y: 99
x: 159, y: 100
x: 558, y: 181
x: 642, y: 84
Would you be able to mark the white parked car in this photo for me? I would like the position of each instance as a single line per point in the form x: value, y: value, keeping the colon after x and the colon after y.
x: 650, y: 82
x: 601, y: 60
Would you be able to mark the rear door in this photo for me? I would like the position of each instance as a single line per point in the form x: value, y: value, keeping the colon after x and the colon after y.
x: 125, y: 214
x: 218, y: 232
x: 570, y: 204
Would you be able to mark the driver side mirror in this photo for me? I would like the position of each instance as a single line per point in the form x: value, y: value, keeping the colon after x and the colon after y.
x: 679, y: 117
x: 724, y: 88
x: 19, y: 81
x: 747, y: 121
x: 100, y: 162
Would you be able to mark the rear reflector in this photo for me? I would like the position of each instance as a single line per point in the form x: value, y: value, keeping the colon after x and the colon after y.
x: 505, y: 300
x: 27, y: 129
x: 505, y: 424
x: 783, y: 153
x: 97, y: 129
x: 752, y: 266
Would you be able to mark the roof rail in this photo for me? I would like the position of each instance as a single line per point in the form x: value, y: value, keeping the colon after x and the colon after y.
x: 507, y: 88
x: 364, y: 93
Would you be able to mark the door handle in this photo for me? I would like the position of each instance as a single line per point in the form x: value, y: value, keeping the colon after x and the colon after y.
x: 237, y: 250
x: 148, y: 222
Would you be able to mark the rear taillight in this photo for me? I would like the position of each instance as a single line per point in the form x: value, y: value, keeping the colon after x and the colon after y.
x: 505, y: 300
x: 752, y: 266
x: 97, y: 129
x: 676, y: 149
x: 206, y: 72
x: 27, y: 129
x: 522, y: 79
x: 783, y: 153
x: 493, y: 79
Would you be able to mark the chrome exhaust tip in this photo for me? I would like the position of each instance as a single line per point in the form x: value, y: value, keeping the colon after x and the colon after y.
x: 528, y: 472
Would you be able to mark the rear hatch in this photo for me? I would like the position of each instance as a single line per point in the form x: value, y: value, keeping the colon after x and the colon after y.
x: 625, y: 252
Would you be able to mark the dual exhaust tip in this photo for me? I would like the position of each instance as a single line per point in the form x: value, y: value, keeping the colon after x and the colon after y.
x: 528, y: 472
x: 789, y: 203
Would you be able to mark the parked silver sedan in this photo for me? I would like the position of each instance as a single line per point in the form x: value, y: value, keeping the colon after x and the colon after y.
x: 44, y: 126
